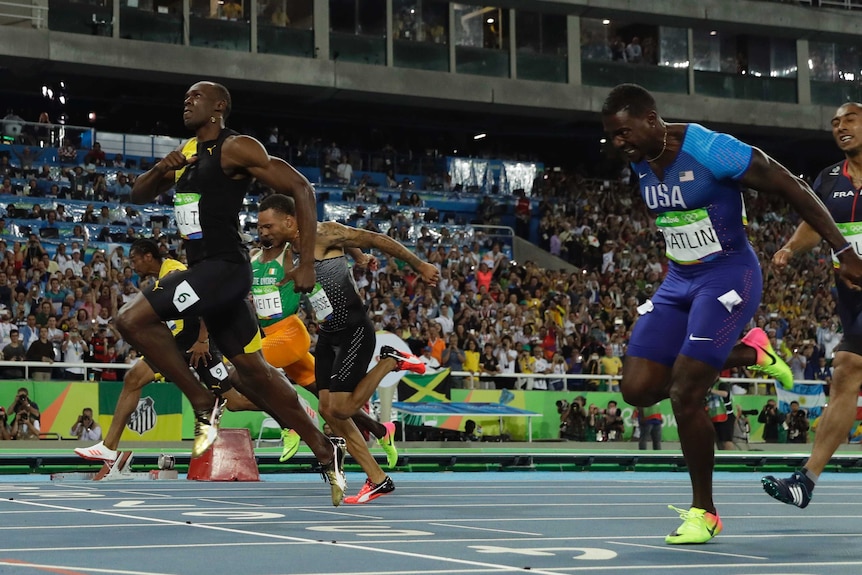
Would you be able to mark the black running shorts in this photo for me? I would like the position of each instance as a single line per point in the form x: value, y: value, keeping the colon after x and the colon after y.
x: 341, y: 358
x: 216, y: 291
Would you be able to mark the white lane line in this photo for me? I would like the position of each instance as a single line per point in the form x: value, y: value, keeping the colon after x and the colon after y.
x: 694, y: 567
x: 438, y: 558
x: 144, y: 493
x: 232, y: 502
x: 338, y: 513
x: 679, y: 548
x: 484, y: 529
x: 69, y: 569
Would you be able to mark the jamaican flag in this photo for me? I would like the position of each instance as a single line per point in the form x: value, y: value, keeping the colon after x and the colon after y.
x: 431, y: 387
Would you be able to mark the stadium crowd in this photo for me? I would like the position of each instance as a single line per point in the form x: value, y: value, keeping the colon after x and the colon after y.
x: 488, y: 314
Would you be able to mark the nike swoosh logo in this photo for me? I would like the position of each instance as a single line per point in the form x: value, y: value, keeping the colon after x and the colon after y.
x: 770, y: 356
x: 696, y: 338
x: 642, y: 176
x: 712, y: 530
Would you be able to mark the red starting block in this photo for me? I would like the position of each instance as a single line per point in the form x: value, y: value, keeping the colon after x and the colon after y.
x: 231, y: 458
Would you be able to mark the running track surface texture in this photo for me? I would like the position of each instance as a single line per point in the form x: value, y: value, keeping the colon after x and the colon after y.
x: 434, y: 523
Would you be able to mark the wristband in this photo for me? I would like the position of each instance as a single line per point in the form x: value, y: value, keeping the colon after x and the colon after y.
x: 842, y: 249
x: 204, y: 340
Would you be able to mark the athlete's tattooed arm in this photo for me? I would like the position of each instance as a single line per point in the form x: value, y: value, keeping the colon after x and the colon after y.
x: 333, y: 238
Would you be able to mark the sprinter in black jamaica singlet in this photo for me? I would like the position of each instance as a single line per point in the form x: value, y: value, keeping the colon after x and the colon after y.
x: 212, y: 173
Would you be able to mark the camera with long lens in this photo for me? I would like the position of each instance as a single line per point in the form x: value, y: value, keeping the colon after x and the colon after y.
x: 562, y: 406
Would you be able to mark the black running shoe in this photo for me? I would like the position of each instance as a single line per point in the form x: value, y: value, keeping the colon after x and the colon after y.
x: 795, y: 490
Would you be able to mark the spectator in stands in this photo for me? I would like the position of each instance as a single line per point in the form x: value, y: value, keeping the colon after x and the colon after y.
x: 344, y: 171
x: 89, y: 216
x: 428, y: 359
x: 79, y: 182
x: 332, y: 155
x: 45, y: 310
x: 454, y: 358
x: 74, y: 351
x: 435, y: 341
x: 539, y: 365
x: 95, y: 156
x: 6, y: 327
x: 41, y: 350
x: 121, y: 190
x: 86, y: 428
x: 27, y: 156
x: 488, y: 367
x: 104, y: 217
x: 232, y: 10
x: 30, y: 331
x: 823, y: 372
x: 75, y: 263
x: 14, y: 351
x: 118, y: 161
x: 522, y: 214
x: 359, y: 214
x: 100, y: 191
x: 49, y: 228
x: 5, y: 292
x: 634, y: 52
x: 67, y: 153
x: 7, y: 189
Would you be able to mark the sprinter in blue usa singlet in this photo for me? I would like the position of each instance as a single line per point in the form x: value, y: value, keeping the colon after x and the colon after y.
x: 690, y: 179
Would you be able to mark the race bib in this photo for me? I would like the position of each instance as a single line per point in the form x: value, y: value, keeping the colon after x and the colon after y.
x: 267, y: 301
x: 688, y: 236
x: 320, y: 303
x: 852, y: 232
x: 187, y: 213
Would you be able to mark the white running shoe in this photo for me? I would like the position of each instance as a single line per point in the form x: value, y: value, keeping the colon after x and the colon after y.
x: 97, y: 453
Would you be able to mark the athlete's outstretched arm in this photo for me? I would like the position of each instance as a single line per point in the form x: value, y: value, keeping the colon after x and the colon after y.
x: 804, y: 239
x: 244, y: 153
x: 333, y: 234
x: 767, y: 175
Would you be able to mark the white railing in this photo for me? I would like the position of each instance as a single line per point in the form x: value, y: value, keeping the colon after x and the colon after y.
x: 751, y: 382
x: 33, y: 14
x: 88, y: 367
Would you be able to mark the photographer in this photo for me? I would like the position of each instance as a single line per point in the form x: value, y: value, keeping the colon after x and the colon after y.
x: 23, y: 427
x: 742, y: 428
x: 23, y: 404
x: 86, y: 428
x: 613, y: 423
x: 797, y: 424
x: 771, y: 419
x: 573, y: 419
